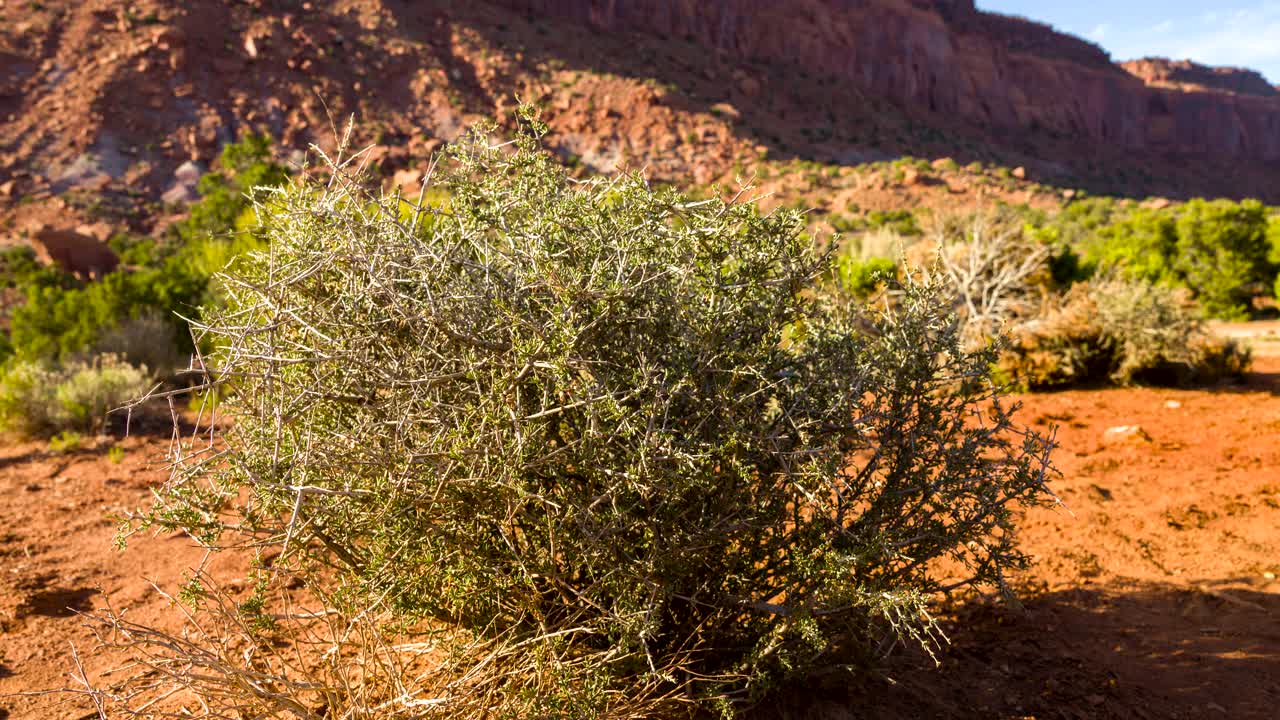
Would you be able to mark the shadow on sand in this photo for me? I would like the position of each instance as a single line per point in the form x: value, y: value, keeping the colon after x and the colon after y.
x: 1120, y: 651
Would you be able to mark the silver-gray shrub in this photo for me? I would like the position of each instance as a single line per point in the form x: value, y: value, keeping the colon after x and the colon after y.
x: 620, y: 438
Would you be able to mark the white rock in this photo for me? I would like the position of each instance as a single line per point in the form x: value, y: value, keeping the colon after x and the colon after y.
x: 1121, y: 433
x: 188, y: 173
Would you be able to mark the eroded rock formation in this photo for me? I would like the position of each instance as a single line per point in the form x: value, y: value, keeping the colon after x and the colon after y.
x: 946, y: 57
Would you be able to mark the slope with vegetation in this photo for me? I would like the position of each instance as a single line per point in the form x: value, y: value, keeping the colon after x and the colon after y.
x: 100, y: 103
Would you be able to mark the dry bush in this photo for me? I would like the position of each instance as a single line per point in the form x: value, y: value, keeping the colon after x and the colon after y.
x: 997, y: 272
x: 612, y: 442
x: 145, y: 340
x: 1120, y: 331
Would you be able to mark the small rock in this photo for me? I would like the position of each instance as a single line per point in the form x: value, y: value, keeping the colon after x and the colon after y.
x: 1122, y: 433
x: 1068, y: 194
x: 942, y: 163
x: 747, y: 85
x: 1172, y: 404
x: 81, y: 255
x: 188, y: 173
x: 6, y: 188
x: 1020, y: 173
x: 250, y: 47
x: 1269, y: 575
x: 179, y: 194
x: 407, y: 180
x: 725, y: 110
x: 910, y: 177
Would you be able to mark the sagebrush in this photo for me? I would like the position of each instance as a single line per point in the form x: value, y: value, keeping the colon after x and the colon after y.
x: 614, y: 451
x: 40, y: 398
x: 1120, y: 331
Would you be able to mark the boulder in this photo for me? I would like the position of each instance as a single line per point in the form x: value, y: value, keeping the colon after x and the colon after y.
x: 82, y: 255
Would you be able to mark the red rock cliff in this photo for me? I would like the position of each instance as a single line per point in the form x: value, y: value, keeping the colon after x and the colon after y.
x: 1194, y: 76
x: 946, y: 57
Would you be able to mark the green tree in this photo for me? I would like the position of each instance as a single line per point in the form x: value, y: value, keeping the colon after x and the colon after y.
x: 1141, y: 246
x: 1222, y: 252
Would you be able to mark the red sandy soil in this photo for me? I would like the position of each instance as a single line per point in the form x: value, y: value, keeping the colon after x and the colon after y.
x: 1154, y: 593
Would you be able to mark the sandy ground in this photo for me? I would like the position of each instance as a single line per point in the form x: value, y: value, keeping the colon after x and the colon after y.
x: 1154, y: 593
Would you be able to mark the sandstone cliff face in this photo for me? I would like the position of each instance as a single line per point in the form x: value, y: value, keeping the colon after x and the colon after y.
x: 945, y: 57
x: 1194, y: 76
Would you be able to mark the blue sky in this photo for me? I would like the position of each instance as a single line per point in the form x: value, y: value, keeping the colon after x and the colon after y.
x: 1245, y: 33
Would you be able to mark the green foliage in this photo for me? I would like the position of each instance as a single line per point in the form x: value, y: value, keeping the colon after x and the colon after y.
x: 19, y: 268
x: 901, y: 222
x: 38, y: 399
x: 1222, y: 250
x: 618, y: 436
x: 862, y: 277
x: 1141, y: 246
x: 226, y: 195
x: 66, y: 441
x: 63, y: 318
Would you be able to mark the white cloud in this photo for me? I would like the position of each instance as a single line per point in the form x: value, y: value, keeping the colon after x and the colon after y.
x: 1247, y: 36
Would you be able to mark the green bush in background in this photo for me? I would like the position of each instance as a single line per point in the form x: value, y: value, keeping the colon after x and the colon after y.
x: 1223, y: 253
x: 135, y: 315
x: 37, y: 399
x: 62, y: 317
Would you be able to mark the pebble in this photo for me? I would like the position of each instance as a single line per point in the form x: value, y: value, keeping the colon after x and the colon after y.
x: 1126, y: 432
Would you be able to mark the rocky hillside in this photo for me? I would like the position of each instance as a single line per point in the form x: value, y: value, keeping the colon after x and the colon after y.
x: 109, y: 109
x: 946, y: 58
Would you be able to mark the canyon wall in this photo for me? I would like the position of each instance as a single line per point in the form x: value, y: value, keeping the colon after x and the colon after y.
x: 1194, y: 76
x: 945, y: 57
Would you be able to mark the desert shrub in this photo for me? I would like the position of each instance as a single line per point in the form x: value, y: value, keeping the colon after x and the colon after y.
x: 863, y: 277
x: 58, y: 324
x: 40, y: 399
x: 902, y: 223
x: 1120, y: 331
x: 615, y: 437
x: 20, y: 268
x: 66, y: 441
x: 1219, y: 250
x: 225, y: 193
x: 1222, y: 253
x: 995, y: 270
x: 146, y: 339
x: 1140, y: 247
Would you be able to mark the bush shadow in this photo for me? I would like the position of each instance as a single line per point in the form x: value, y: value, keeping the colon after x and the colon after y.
x: 1141, y: 652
